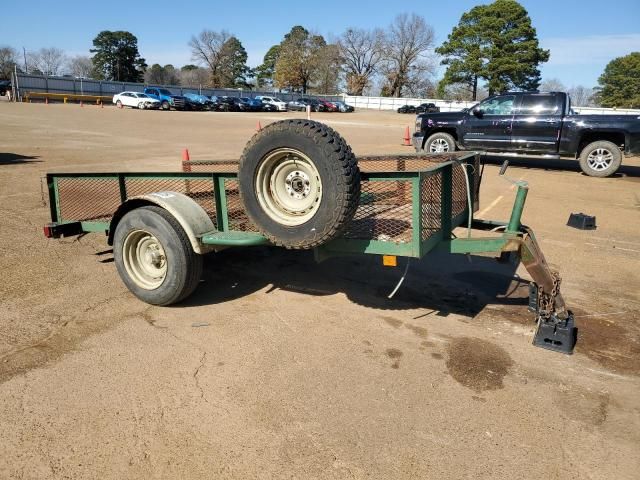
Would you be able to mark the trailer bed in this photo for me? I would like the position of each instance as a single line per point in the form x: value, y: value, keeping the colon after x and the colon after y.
x: 408, y: 203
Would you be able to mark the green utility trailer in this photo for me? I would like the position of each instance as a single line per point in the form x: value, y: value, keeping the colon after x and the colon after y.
x: 299, y: 186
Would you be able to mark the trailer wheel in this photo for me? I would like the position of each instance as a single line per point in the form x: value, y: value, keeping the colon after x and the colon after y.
x: 154, y: 257
x: 299, y: 182
x: 600, y: 159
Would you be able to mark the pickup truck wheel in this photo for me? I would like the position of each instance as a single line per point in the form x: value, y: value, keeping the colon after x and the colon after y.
x: 154, y: 257
x: 600, y: 159
x: 440, y: 143
x: 165, y: 105
x: 299, y: 182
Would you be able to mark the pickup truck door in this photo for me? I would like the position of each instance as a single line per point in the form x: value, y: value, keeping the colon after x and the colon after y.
x: 537, y: 123
x: 490, y: 127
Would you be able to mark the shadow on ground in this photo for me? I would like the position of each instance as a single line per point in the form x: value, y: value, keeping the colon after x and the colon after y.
x: 439, y: 283
x: 14, y: 158
x: 626, y: 171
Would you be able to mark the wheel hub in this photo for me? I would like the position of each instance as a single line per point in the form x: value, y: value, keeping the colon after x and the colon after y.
x: 288, y: 186
x: 439, y: 146
x: 144, y: 259
x: 600, y: 159
x: 297, y: 185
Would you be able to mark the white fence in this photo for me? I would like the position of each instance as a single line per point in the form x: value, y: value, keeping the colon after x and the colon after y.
x: 388, y: 103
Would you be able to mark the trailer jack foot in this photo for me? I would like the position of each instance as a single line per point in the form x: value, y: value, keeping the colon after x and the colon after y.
x: 556, y: 334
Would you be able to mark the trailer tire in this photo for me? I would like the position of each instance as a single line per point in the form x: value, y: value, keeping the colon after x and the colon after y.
x: 299, y: 183
x: 154, y: 256
x: 600, y: 159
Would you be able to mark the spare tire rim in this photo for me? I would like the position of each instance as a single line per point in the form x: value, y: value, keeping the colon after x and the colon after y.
x: 600, y: 159
x: 144, y: 259
x: 288, y: 186
x: 439, y: 145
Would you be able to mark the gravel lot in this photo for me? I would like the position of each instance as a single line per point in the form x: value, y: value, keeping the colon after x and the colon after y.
x: 280, y: 367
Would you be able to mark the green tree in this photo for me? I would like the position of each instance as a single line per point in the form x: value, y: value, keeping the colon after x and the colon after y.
x: 497, y: 43
x: 266, y: 71
x: 159, y: 75
x: 298, y: 58
x: 116, y: 57
x: 619, y: 85
x: 233, y: 69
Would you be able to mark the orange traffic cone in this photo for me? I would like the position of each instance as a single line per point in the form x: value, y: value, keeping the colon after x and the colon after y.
x: 258, y: 126
x: 407, y: 138
x: 186, y: 166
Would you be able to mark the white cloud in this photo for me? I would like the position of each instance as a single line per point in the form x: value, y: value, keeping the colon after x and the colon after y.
x: 590, y: 50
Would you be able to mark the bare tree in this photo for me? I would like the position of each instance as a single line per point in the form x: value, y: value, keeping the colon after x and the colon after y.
x: 48, y: 61
x: 460, y: 92
x: 208, y: 49
x: 552, y: 85
x: 329, y: 74
x: 8, y: 60
x: 80, y: 66
x: 581, y: 96
x: 361, y: 52
x: 408, y: 42
x: 191, y: 75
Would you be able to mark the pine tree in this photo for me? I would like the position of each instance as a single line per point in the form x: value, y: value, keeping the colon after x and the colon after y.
x: 620, y: 83
x: 497, y: 43
x: 116, y: 57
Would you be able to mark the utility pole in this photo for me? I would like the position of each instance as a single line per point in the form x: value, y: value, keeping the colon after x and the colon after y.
x: 24, y: 54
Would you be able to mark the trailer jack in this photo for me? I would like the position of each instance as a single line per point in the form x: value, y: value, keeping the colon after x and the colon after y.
x: 553, y: 333
x: 556, y: 328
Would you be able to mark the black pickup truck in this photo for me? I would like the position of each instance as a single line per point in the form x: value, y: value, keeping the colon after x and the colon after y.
x: 533, y: 124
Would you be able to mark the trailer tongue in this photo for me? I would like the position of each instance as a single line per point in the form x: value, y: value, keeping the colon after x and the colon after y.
x: 286, y: 192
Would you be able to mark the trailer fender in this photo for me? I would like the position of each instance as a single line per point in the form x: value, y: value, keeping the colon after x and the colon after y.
x: 191, y: 216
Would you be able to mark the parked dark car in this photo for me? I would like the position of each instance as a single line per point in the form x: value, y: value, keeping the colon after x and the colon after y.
x: 533, y: 124
x: 301, y: 104
x: 253, y: 104
x: 407, y: 109
x: 196, y: 101
x: 343, y: 107
x: 427, y: 108
x: 4, y: 86
x: 232, y: 104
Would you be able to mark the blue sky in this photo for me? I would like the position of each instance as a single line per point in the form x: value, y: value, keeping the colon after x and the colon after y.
x: 583, y: 35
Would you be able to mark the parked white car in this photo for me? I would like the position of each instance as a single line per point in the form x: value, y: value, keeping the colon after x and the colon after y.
x: 279, y: 104
x: 135, y: 100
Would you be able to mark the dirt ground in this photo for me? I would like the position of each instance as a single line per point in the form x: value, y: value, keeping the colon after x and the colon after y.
x: 279, y: 367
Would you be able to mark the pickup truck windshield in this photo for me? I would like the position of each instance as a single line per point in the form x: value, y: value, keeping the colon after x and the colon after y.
x: 164, y: 91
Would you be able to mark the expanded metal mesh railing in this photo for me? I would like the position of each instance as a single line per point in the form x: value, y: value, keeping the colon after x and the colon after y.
x: 403, y: 198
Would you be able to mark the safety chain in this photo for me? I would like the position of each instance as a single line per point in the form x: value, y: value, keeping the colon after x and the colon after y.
x: 546, y: 301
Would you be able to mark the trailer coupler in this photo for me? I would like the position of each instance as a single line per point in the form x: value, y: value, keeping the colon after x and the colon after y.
x: 553, y: 333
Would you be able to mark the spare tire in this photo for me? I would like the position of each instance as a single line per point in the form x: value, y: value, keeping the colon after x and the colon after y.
x: 299, y: 183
